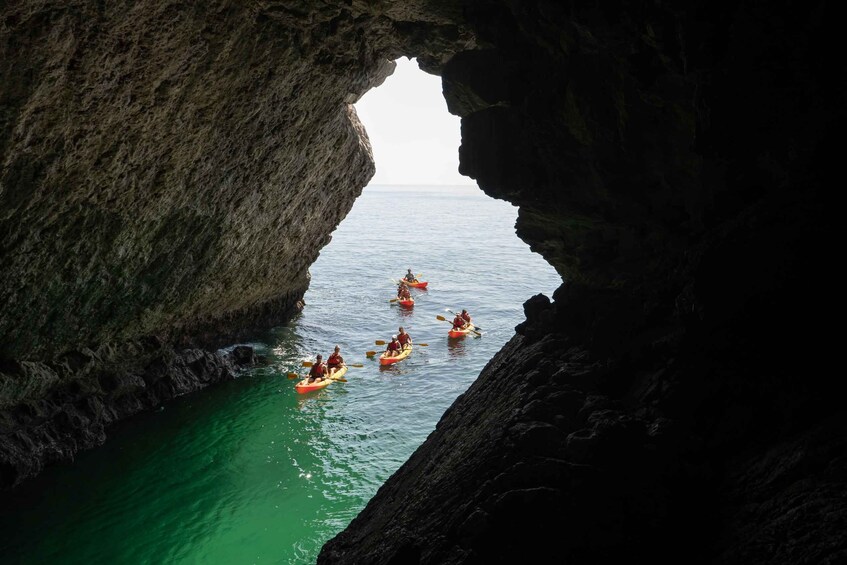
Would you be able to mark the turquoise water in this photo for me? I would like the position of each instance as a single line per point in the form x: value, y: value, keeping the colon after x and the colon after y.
x: 250, y: 471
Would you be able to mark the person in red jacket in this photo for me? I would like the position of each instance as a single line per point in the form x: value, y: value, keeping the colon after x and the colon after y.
x: 403, y: 292
x: 318, y: 370
x: 335, y: 361
x: 465, y: 316
x: 393, y: 348
x: 404, y: 338
x: 459, y: 323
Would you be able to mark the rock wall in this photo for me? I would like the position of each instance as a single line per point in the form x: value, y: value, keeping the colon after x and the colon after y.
x: 169, y: 171
x: 676, y: 402
x: 57, y: 409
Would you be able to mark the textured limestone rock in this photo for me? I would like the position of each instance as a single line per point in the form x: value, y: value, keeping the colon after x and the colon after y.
x: 171, y: 170
x: 674, y: 403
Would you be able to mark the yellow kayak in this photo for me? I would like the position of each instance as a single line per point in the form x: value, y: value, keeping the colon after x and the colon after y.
x: 383, y: 360
x: 303, y: 386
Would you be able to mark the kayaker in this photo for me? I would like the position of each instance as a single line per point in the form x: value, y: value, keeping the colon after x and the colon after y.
x: 393, y: 348
x: 318, y: 370
x: 410, y: 277
x: 459, y: 323
x: 403, y: 292
x: 403, y: 338
x: 335, y: 361
x: 466, y: 317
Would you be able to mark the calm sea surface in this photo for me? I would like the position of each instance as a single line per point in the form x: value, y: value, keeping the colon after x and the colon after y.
x: 251, y: 472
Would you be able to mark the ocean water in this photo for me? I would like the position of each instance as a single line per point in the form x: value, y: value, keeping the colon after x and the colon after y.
x: 250, y: 471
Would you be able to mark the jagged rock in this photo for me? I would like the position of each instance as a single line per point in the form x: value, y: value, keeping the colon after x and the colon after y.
x: 163, y: 166
x: 37, y: 430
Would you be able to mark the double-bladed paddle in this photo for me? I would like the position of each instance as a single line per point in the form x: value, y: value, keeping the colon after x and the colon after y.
x: 310, y: 364
x: 380, y: 342
x: 443, y: 319
x: 292, y: 376
x: 448, y: 310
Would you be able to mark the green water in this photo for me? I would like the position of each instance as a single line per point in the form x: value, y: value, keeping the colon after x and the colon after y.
x: 251, y: 472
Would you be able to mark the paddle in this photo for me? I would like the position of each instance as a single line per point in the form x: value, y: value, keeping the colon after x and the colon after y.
x: 310, y: 364
x: 448, y: 310
x: 443, y: 319
x: 292, y: 376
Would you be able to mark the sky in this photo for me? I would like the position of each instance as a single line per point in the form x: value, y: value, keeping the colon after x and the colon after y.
x: 415, y: 139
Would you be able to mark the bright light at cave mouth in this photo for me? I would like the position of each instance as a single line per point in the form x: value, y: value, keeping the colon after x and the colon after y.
x: 415, y: 139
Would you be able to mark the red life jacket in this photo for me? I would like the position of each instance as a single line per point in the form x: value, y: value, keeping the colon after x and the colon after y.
x: 404, y: 338
x: 458, y: 323
x: 393, y: 346
x: 334, y: 360
x: 466, y: 317
x: 318, y: 370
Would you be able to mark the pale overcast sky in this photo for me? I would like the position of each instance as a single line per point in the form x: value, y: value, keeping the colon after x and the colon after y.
x: 415, y: 139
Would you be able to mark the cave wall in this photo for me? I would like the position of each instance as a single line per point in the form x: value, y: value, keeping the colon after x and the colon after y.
x: 160, y: 176
x: 675, y: 402
x: 169, y: 171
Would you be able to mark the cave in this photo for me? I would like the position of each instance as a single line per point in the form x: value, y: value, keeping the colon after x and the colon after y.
x: 673, y: 162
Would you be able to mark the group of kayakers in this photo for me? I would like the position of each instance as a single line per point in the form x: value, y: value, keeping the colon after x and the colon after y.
x: 403, y: 291
x: 462, y: 320
x: 400, y: 342
x: 403, y: 285
x: 321, y: 370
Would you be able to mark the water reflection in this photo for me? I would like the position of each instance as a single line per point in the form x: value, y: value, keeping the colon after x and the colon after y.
x: 456, y: 347
x: 405, y: 312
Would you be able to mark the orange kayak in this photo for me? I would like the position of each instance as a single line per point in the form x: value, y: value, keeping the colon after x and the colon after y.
x: 460, y: 333
x: 383, y: 360
x: 407, y: 303
x: 303, y: 386
x: 419, y: 284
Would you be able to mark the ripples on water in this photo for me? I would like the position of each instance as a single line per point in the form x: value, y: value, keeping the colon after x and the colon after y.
x: 250, y: 471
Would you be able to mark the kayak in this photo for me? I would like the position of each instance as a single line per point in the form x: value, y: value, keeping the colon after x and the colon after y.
x: 460, y: 333
x: 419, y: 284
x: 303, y: 387
x: 383, y: 360
x: 407, y: 303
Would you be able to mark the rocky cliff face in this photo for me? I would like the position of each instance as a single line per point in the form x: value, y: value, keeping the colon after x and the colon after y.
x: 167, y: 171
x: 674, y: 403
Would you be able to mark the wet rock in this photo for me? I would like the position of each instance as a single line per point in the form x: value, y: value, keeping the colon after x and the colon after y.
x: 75, y: 414
x: 244, y: 355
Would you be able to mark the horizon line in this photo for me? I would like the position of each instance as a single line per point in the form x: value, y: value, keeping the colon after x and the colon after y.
x: 417, y: 184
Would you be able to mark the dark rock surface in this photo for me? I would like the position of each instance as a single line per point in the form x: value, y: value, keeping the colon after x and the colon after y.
x: 677, y: 401
x: 171, y: 171
x: 51, y: 411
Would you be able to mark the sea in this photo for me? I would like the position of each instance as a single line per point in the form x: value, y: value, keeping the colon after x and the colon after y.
x: 251, y: 472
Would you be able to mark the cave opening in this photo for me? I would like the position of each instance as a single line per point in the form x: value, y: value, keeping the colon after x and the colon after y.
x: 260, y: 452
